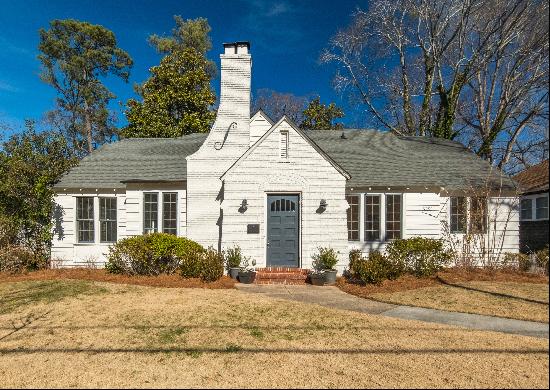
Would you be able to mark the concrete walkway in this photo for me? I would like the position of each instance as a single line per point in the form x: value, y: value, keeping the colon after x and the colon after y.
x: 335, y: 298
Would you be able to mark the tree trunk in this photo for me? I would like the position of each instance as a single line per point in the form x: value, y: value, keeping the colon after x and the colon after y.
x: 88, y: 126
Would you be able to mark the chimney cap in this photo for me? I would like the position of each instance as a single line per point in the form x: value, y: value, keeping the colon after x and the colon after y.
x: 236, y: 47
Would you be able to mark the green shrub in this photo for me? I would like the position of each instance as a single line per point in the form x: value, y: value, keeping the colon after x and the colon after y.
x: 325, y: 259
x: 418, y: 255
x: 211, y: 265
x: 541, y: 259
x: 375, y: 269
x: 16, y: 259
x: 233, y: 257
x: 519, y: 261
x: 355, y: 255
x: 154, y: 254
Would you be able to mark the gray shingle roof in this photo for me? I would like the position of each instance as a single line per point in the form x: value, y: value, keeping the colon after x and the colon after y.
x: 382, y: 159
x: 372, y: 158
x: 133, y: 159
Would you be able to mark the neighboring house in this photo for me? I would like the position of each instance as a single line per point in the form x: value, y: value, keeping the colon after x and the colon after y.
x: 533, y: 226
x: 277, y: 191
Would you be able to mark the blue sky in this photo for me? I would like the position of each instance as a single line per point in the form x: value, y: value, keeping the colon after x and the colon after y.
x: 286, y: 37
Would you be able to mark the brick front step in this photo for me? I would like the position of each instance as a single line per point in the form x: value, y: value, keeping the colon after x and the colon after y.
x: 282, y: 270
x: 281, y: 275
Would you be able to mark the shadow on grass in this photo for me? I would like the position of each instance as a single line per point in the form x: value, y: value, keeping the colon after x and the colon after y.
x: 244, y: 350
x: 496, y: 294
x: 25, y: 322
x: 29, y: 293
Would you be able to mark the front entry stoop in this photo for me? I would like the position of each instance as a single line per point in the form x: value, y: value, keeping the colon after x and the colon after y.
x: 281, y: 275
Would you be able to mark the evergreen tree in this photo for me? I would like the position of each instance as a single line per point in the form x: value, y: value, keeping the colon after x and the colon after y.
x: 177, y: 99
x: 318, y: 116
x: 75, y: 57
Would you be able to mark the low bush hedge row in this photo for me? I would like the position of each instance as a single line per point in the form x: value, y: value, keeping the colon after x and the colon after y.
x: 161, y: 253
x: 418, y: 256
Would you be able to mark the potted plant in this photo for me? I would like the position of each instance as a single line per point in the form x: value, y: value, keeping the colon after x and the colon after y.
x: 247, y: 274
x: 317, y: 277
x: 324, y: 263
x: 233, y: 260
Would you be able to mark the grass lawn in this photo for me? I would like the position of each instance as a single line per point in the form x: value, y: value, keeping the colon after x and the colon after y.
x: 74, y: 333
x: 501, y: 294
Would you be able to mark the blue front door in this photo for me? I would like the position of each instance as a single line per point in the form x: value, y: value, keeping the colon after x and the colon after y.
x: 283, y: 230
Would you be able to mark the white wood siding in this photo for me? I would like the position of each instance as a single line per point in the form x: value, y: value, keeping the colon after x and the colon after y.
x: 259, y: 125
x: 304, y: 172
x: 67, y: 252
x: 425, y: 214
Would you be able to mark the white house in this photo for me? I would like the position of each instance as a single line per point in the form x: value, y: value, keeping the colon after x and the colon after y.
x: 277, y: 191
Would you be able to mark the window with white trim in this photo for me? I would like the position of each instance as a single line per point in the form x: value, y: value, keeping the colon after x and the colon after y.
x: 534, y: 207
x: 170, y: 212
x: 372, y: 217
x: 107, y: 220
x: 478, y: 215
x: 526, y: 209
x: 393, y: 216
x: 541, y: 207
x: 353, y: 217
x: 85, y: 219
x: 458, y: 214
x: 150, y: 212
x: 284, y: 144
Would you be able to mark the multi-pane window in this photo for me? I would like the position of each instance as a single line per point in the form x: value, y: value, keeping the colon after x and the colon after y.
x: 458, y: 214
x: 393, y: 216
x: 150, y: 212
x: 85, y: 219
x: 353, y: 217
x: 107, y: 219
x: 372, y: 217
x: 170, y: 212
x: 527, y: 209
x: 541, y: 204
x: 478, y: 215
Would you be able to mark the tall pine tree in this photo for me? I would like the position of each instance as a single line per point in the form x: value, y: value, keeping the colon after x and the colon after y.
x: 75, y: 57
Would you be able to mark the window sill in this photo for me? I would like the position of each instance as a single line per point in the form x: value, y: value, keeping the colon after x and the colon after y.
x: 93, y: 243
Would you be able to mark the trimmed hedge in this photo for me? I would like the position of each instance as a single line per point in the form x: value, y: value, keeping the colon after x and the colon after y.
x: 374, y: 269
x: 418, y: 255
x: 158, y: 253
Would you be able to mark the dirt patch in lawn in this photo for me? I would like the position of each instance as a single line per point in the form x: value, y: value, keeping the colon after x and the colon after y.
x: 505, y: 294
x: 100, y: 275
x: 132, y: 336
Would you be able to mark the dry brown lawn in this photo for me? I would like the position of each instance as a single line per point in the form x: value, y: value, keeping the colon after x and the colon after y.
x: 508, y: 294
x: 69, y: 333
x: 522, y: 301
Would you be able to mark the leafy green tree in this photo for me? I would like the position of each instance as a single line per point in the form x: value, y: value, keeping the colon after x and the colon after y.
x: 177, y: 99
x: 318, y: 116
x: 75, y: 56
x: 30, y: 163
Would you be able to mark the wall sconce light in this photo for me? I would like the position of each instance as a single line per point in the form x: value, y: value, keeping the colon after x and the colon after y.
x: 322, y: 206
x: 244, y: 206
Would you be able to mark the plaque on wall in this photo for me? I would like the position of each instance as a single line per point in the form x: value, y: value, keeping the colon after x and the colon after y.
x: 253, y: 228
